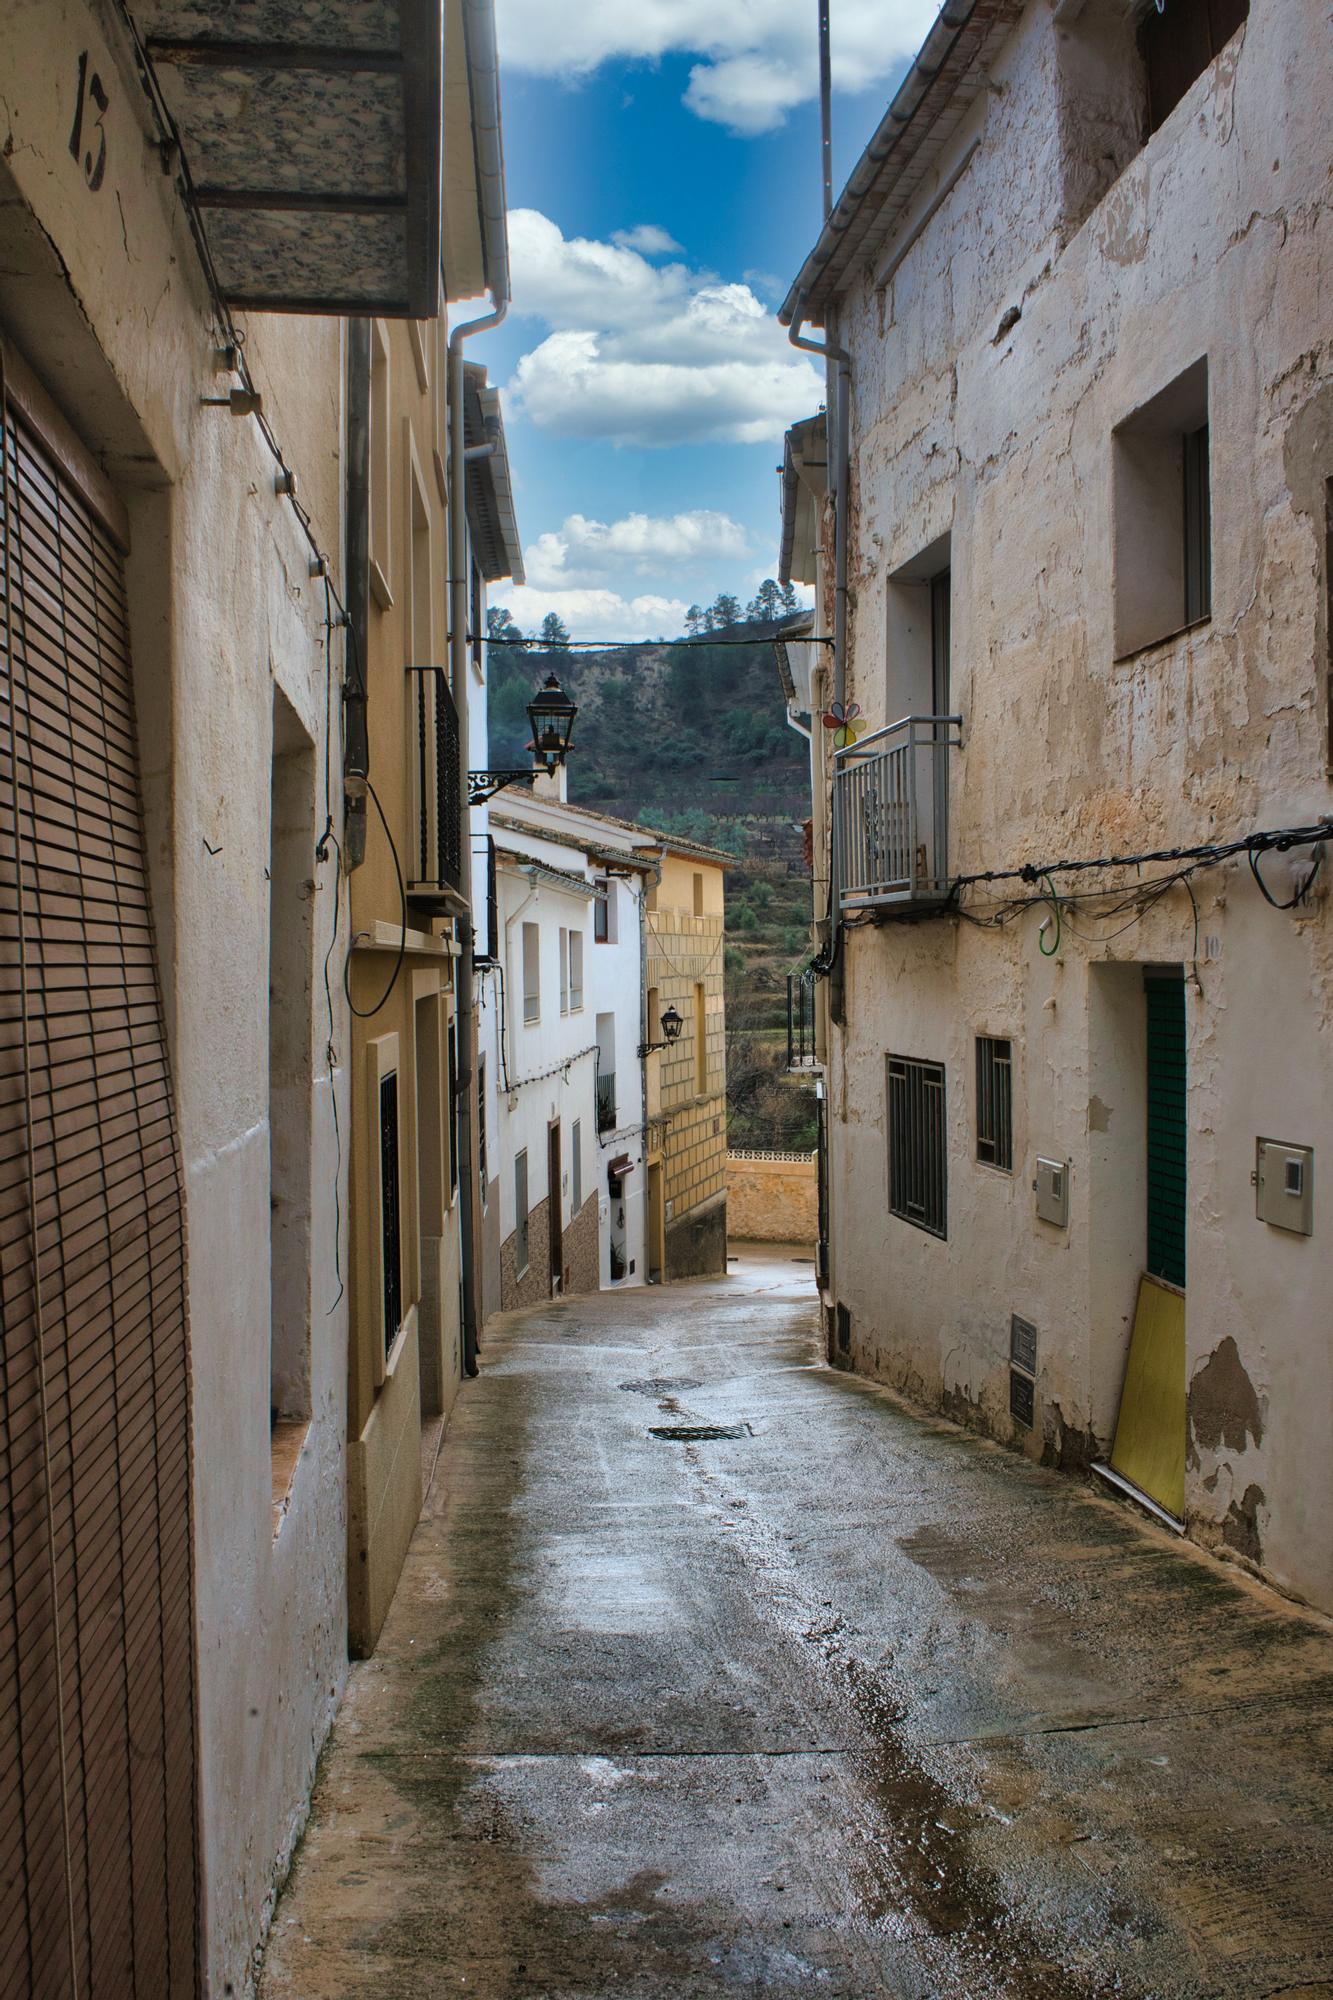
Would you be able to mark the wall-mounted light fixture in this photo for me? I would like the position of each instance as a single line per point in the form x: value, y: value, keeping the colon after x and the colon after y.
x: 551, y: 714
x: 671, y: 1024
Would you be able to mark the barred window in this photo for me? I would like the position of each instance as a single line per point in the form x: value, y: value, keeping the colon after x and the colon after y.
x: 918, y: 1186
x: 391, y: 1255
x: 995, y: 1102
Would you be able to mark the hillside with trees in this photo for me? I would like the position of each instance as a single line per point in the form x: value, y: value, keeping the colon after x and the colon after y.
x: 689, y: 735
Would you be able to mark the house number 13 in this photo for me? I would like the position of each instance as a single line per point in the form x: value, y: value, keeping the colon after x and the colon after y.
x: 91, y: 90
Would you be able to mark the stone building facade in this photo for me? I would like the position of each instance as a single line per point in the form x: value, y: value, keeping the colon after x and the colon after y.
x: 1075, y: 297
x: 687, y: 1079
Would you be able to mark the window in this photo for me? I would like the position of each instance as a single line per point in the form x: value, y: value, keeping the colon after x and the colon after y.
x: 918, y: 1191
x: 453, y: 1111
x: 476, y: 618
x: 420, y: 595
x: 1177, y: 40
x: 601, y: 913
x: 698, y: 893
x: 564, y: 970
x: 381, y: 567
x: 521, y: 1212
x: 531, y: 973
x: 1161, y: 494
x: 995, y: 1102
x: 391, y: 1244
x: 654, y: 1014
x: 290, y: 1062
x: 431, y: 1121
x: 483, y: 1173
x: 576, y: 1168
x: 575, y: 971
x: 700, y: 1040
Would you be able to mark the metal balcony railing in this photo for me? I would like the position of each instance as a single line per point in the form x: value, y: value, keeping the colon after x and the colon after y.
x: 891, y: 814
x: 801, y: 1020
x: 435, y: 870
x: 606, y: 1100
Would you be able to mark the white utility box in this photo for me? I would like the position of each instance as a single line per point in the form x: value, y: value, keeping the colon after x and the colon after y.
x: 1284, y: 1186
x: 1052, y: 1191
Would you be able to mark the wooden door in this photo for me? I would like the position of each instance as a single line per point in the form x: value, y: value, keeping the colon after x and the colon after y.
x: 557, y: 1236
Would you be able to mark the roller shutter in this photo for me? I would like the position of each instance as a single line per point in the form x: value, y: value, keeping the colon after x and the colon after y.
x: 98, y: 1843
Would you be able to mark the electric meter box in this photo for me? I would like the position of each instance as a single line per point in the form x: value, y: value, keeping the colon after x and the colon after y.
x: 1052, y: 1191
x: 1284, y: 1186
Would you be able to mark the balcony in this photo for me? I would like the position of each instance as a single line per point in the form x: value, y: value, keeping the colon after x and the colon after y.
x: 435, y: 865
x: 801, y: 1021
x: 606, y: 1101
x: 890, y: 815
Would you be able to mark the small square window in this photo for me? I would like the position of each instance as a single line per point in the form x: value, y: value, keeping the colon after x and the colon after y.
x: 1162, y: 498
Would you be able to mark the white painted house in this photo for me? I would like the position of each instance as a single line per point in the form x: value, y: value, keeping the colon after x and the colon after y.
x: 561, y: 1026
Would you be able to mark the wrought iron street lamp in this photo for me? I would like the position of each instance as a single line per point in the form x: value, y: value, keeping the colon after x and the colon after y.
x: 670, y: 1022
x: 551, y: 714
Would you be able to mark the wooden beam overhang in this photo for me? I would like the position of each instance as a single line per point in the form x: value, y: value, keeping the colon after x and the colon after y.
x: 276, y: 100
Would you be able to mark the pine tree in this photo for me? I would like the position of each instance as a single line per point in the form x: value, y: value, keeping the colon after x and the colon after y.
x: 725, y: 611
x: 501, y: 629
x: 766, y: 602
x: 694, y: 622
x: 554, y: 633
x: 787, y: 592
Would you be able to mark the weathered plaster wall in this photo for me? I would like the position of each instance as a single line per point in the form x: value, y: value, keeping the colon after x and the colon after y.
x: 106, y: 299
x: 772, y: 1199
x: 1029, y: 321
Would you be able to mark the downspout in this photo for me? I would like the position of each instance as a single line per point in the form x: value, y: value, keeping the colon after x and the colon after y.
x: 484, y: 78
x: 828, y: 351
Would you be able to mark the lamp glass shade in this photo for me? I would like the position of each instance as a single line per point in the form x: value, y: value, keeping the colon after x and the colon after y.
x: 671, y: 1024
x: 551, y: 713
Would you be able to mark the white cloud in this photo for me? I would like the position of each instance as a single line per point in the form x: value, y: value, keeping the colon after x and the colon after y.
x: 583, y: 552
x: 757, y: 60
x: 647, y: 238
x: 648, y: 354
x: 596, y: 614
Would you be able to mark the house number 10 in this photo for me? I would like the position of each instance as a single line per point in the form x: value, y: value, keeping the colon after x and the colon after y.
x: 90, y: 88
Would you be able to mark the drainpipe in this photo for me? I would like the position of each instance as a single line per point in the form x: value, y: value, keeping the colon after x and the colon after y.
x: 841, y: 361
x: 484, y: 79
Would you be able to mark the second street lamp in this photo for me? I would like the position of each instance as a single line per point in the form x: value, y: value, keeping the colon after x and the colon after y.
x: 670, y: 1023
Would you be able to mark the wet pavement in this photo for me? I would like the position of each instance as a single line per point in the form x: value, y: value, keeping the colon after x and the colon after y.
x: 847, y: 1702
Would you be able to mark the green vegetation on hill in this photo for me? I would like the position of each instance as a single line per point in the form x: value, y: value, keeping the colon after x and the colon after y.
x: 692, y: 739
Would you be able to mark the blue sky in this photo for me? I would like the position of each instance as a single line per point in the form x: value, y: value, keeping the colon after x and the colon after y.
x: 662, y: 159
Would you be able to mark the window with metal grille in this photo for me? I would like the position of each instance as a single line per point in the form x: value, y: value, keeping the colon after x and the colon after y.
x: 391, y: 1246
x: 1198, y: 537
x: 564, y: 970
x: 918, y: 1185
x: 995, y: 1102
x: 601, y: 914
x: 521, y: 1212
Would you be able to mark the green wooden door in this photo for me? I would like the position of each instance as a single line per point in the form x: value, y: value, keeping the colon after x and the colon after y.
x: 1165, y: 998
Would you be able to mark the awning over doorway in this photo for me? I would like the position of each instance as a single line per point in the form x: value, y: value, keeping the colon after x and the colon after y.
x: 313, y: 133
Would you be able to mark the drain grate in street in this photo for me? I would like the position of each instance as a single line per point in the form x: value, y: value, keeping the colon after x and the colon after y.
x: 661, y: 1385
x: 698, y: 1433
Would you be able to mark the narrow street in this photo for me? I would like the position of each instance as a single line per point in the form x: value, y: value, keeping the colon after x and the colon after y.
x: 844, y: 1701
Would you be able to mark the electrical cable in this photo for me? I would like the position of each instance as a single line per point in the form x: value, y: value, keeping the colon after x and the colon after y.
x: 368, y: 1013
x: 633, y: 645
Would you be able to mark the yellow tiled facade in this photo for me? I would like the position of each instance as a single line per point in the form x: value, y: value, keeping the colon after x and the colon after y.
x: 687, y: 1080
